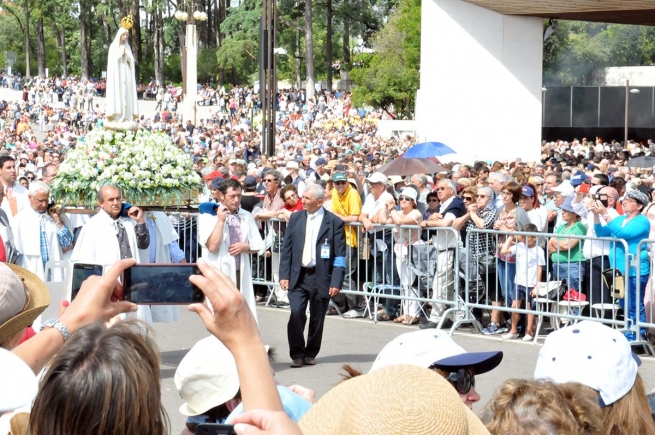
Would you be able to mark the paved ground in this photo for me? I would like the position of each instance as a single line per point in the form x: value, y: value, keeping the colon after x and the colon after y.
x: 356, y: 342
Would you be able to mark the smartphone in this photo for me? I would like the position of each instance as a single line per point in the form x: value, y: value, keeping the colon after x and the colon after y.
x: 584, y: 187
x: 81, y: 272
x: 602, y: 201
x: 161, y: 284
x: 341, y: 168
x: 215, y: 429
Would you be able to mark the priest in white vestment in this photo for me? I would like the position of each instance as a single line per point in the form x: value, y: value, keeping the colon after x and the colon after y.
x: 163, y: 249
x: 16, y: 196
x: 38, y: 239
x: 228, y: 238
x: 107, y: 238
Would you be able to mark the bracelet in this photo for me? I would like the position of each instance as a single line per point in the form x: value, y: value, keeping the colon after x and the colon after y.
x: 56, y: 324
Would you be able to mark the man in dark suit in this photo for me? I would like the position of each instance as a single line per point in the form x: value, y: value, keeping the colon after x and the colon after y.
x: 312, y: 270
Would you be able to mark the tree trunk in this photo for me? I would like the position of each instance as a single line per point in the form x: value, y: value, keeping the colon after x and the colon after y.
x: 40, y: 47
x: 346, y: 45
x: 27, y: 38
x: 328, y: 45
x: 61, y: 40
x: 85, y: 52
x: 298, y: 57
x: 159, y: 45
x: 135, y: 40
x: 309, y: 50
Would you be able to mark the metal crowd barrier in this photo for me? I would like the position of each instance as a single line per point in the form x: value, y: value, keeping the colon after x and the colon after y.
x: 489, y: 282
x: 411, y: 269
x: 645, y: 325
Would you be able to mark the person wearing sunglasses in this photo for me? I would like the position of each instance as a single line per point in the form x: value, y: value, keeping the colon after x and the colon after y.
x: 437, y: 351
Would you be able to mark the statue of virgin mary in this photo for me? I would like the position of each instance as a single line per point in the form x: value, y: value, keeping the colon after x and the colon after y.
x: 121, y: 86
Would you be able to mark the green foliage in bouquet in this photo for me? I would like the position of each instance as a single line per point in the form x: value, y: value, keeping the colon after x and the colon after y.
x: 147, y: 166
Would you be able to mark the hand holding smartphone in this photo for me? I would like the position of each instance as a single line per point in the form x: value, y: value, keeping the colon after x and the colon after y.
x: 215, y: 429
x: 81, y: 272
x: 162, y: 284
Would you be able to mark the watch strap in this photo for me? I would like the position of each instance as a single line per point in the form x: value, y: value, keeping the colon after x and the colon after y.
x: 56, y: 324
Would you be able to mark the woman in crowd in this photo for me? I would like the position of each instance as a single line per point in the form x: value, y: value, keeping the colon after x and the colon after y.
x: 566, y: 253
x: 530, y: 203
x: 526, y: 407
x: 605, y: 365
x: 509, y: 218
x: 403, y: 238
x: 292, y: 202
x: 469, y: 196
x: 633, y: 227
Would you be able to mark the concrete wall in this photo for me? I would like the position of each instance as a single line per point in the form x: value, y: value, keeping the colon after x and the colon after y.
x: 481, y: 79
x: 617, y: 75
x: 400, y: 128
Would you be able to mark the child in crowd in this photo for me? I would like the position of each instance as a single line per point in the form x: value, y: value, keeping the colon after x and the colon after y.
x: 530, y: 261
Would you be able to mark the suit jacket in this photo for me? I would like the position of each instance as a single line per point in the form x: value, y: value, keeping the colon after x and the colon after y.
x: 330, y: 272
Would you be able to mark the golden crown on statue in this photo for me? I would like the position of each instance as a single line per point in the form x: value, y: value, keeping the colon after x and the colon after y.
x: 127, y: 22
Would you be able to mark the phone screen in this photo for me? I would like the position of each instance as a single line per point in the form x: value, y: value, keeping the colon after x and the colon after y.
x: 341, y: 168
x: 81, y: 272
x: 215, y: 429
x: 165, y: 284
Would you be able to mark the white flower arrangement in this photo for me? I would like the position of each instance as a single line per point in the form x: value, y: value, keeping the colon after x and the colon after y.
x: 147, y: 166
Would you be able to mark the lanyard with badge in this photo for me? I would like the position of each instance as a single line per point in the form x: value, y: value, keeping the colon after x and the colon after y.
x: 325, y: 250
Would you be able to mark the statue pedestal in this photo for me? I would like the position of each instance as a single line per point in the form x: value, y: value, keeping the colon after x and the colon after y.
x: 120, y: 125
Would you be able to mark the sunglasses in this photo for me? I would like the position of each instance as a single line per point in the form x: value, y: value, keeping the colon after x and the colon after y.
x: 463, y: 380
x: 269, y: 180
x: 340, y: 182
x: 483, y: 196
x: 30, y: 178
x: 467, y: 198
x: 405, y: 198
x: 442, y: 188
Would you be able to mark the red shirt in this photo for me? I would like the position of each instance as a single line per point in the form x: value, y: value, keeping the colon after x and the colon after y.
x: 297, y: 207
x: 3, y: 253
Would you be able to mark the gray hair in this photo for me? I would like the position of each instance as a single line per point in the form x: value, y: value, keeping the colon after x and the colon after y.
x: 38, y: 186
x: 500, y: 177
x: 277, y: 175
x: 450, y: 184
x: 316, y: 189
x: 486, y: 190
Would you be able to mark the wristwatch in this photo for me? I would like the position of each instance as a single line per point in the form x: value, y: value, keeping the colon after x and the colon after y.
x: 56, y: 324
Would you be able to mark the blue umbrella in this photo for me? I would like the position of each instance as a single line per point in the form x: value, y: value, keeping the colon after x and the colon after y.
x: 428, y: 149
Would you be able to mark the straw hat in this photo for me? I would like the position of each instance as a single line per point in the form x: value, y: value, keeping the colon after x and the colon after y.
x: 39, y: 301
x: 423, y: 403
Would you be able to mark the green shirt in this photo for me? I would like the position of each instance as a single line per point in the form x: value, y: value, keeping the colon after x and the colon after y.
x: 572, y: 255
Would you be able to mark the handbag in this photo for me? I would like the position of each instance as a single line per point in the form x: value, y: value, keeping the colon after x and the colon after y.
x: 615, y: 281
x: 487, y: 264
x: 552, y: 290
x: 574, y: 296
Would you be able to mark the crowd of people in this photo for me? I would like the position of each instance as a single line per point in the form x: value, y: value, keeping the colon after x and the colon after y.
x: 294, y: 211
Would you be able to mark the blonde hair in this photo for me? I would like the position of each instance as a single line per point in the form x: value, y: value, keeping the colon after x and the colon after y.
x: 629, y: 415
x: 528, y: 407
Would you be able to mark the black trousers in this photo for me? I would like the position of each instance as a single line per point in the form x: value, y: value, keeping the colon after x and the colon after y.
x: 305, y: 293
x: 594, y: 285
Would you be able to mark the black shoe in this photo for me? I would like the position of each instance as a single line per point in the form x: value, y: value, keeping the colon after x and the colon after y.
x: 310, y: 361
x: 447, y: 324
x: 296, y: 363
x: 332, y: 312
x: 429, y: 325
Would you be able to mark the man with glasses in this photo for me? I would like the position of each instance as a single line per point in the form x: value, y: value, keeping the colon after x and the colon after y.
x: 443, y: 286
x: 38, y: 238
x: 347, y: 204
x: 271, y: 206
x: 496, y: 181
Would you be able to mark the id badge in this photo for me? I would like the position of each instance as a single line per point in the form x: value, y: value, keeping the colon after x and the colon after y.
x: 325, y: 251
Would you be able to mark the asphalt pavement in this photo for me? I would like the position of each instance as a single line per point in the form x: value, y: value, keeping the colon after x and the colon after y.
x: 345, y: 341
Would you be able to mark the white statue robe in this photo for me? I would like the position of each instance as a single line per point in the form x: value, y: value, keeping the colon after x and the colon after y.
x: 223, y: 261
x: 165, y: 235
x: 98, y: 244
x: 121, y: 92
x: 22, y: 201
x: 27, y: 238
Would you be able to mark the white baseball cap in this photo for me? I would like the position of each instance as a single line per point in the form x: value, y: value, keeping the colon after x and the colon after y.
x: 206, y: 377
x: 430, y: 347
x: 377, y: 177
x: 410, y: 192
x: 18, y: 384
x: 564, y: 188
x: 592, y: 354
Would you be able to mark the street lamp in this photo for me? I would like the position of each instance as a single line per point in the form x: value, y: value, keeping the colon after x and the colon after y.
x: 628, y: 91
x: 189, y: 13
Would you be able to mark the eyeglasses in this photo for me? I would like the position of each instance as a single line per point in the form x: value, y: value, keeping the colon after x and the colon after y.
x: 269, y: 180
x: 467, y: 198
x: 293, y: 195
x: 30, y: 178
x: 483, y: 196
x: 405, y: 198
x: 442, y: 188
x: 462, y: 380
x: 629, y: 200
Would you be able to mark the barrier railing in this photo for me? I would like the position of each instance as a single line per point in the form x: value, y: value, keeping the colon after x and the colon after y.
x: 644, y: 293
x: 413, y: 268
x: 492, y: 280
